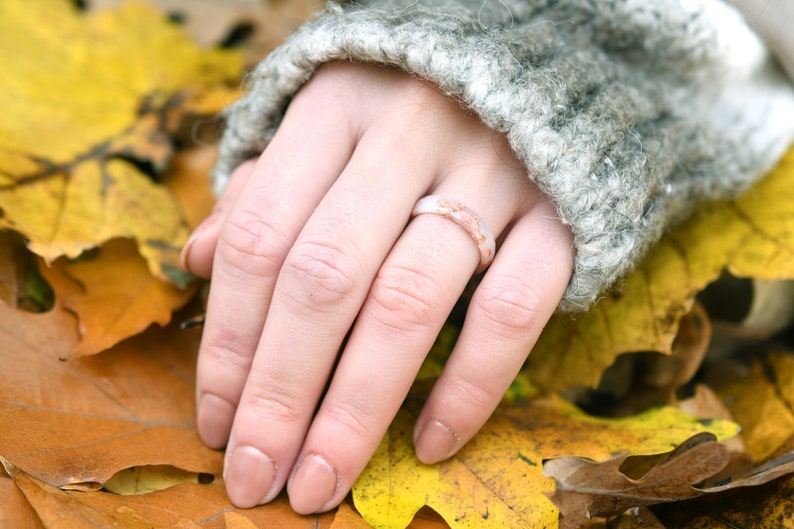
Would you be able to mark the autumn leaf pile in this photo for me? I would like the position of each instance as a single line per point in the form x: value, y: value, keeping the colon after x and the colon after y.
x: 105, y: 145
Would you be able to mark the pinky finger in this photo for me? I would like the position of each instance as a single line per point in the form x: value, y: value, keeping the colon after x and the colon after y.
x: 508, y: 311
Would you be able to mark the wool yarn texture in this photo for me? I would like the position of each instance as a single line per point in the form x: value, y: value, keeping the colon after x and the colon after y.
x: 628, y: 114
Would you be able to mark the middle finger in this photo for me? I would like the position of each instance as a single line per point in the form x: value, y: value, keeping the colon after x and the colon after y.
x: 318, y: 293
x: 409, y: 300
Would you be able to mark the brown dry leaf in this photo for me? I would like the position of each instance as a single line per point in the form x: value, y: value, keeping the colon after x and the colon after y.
x: 751, y: 236
x: 190, y: 505
x: 347, y: 518
x: 586, y: 489
x: 16, y: 512
x: 770, y: 506
x: 79, y: 422
x: 90, y: 103
x: 9, y: 272
x: 641, y: 518
x: 58, y: 509
x: 118, y: 298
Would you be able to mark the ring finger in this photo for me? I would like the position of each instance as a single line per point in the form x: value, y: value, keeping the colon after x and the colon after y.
x: 409, y: 300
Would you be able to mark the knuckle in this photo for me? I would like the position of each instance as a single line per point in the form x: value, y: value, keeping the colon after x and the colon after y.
x: 508, y: 303
x: 319, y: 274
x: 471, y: 394
x: 404, y: 299
x: 273, y: 404
x: 252, y: 243
x: 351, y: 417
x: 227, y: 348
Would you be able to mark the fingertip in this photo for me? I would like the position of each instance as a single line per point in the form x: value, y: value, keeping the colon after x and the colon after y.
x: 434, y: 441
x: 314, y: 485
x: 250, y: 477
x: 197, y: 254
x: 214, y: 420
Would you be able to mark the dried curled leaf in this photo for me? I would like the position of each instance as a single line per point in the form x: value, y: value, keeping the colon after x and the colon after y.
x: 586, y: 489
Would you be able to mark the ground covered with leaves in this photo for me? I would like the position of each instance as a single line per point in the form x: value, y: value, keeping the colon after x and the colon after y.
x: 670, y: 404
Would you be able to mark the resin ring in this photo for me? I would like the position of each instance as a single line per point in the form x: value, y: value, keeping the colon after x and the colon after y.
x: 466, y: 218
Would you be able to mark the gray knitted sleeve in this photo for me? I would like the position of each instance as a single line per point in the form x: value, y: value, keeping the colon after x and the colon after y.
x: 626, y: 113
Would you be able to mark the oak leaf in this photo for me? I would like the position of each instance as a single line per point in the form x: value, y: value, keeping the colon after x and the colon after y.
x: 767, y: 506
x: 586, y: 489
x: 90, y: 104
x: 496, y: 480
x: 697, y: 467
x: 751, y: 236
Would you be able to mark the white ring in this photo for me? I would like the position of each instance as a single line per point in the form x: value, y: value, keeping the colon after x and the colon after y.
x: 466, y: 218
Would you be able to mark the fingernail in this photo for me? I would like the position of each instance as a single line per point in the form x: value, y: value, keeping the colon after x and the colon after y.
x: 435, y: 442
x: 313, y: 486
x: 183, y: 255
x: 197, y: 232
x: 249, y: 476
x: 214, y: 420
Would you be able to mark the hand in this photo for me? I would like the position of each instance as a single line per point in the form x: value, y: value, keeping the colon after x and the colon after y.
x: 314, y: 240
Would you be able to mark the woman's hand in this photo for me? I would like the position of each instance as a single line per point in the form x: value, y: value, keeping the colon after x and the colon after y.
x: 315, y: 240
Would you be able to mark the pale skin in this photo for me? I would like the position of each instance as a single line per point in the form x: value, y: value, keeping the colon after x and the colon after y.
x: 314, y: 239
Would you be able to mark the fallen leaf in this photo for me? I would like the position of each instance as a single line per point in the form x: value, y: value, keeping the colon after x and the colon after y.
x: 751, y: 236
x: 191, y: 504
x: 763, y: 404
x: 638, y: 381
x: 150, y: 478
x: 188, y: 178
x: 496, y: 480
x: 9, y: 269
x: 79, y: 422
x: 16, y: 511
x: 706, y: 404
x: 765, y: 507
x: 233, y: 520
x: 586, y: 489
x: 60, y: 510
x: 89, y: 105
x: 641, y: 518
x: 118, y: 297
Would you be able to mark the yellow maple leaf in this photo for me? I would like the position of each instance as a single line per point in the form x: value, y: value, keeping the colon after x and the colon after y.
x: 752, y: 236
x: 90, y: 103
x: 497, y: 480
x: 763, y: 404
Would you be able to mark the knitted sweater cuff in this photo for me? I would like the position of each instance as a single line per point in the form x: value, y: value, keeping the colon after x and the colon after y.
x: 624, y: 113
